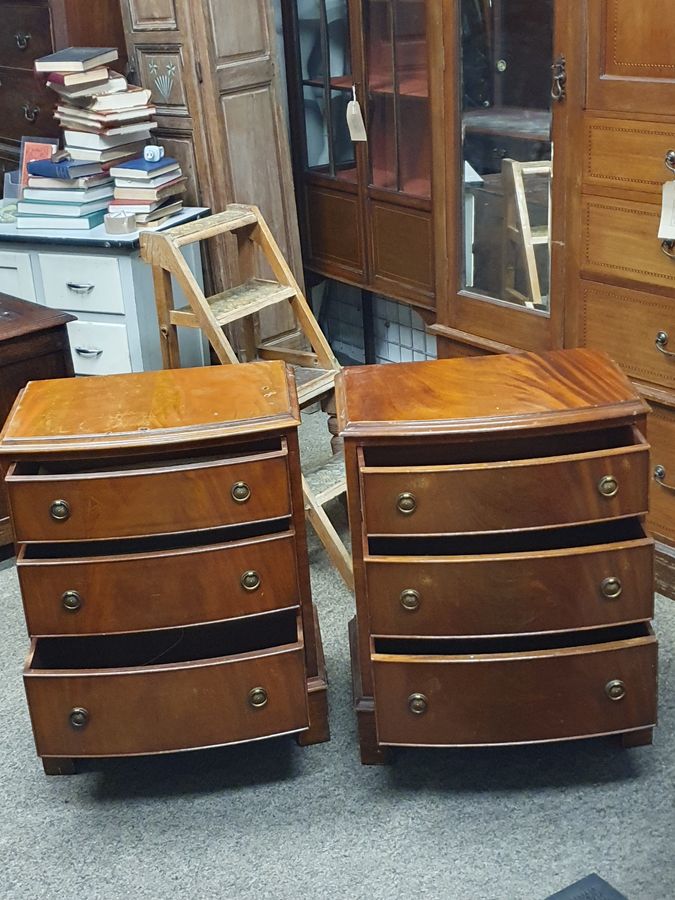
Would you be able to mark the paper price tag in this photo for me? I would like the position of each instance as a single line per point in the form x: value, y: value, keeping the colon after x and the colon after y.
x: 355, y: 123
x: 667, y: 227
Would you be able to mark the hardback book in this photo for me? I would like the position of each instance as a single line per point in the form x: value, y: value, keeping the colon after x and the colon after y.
x: 161, y: 212
x: 79, y: 80
x: 105, y: 120
x: 84, y: 223
x: 111, y: 137
x: 592, y: 887
x: 76, y: 59
x: 74, y: 184
x: 143, y: 169
x: 132, y: 98
x: 141, y: 193
x: 122, y: 153
x: 68, y: 168
x: 116, y: 83
x: 138, y: 208
x: 158, y: 182
x: 66, y: 210
x: 63, y: 195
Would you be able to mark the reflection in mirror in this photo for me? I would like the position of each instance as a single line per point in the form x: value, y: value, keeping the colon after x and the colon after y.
x: 507, y: 49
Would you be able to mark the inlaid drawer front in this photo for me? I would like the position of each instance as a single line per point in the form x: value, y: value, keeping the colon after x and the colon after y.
x: 661, y: 519
x: 636, y: 329
x: 81, y: 283
x: 530, y: 493
x: 181, y: 700
x: 26, y: 105
x: 99, y: 348
x: 175, y: 497
x: 26, y: 35
x: 627, y: 155
x: 534, y: 695
x: 134, y: 591
x: 527, y: 592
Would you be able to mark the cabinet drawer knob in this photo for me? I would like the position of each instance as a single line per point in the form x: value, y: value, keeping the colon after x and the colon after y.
x: 22, y: 39
x: 418, y: 704
x: 667, y: 247
x: 71, y: 601
x: 611, y: 587
x: 661, y: 343
x: 660, y: 477
x: 615, y: 689
x: 670, y: 160
x: 241, y: 492
x: 79, y: 717
x: 608, y: 486
x: 250, y: 580
x: 410, y: 600
x: 30, y: 112
x: 406, y: 503
x: 257, y: 697
x: 60, y: 510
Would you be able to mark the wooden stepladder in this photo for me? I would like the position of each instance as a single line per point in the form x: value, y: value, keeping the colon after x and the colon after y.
x: 315, y: 369
x: 520, y: 236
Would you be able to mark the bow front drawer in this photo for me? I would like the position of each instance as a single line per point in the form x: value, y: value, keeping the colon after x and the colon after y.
x: 175, y: 496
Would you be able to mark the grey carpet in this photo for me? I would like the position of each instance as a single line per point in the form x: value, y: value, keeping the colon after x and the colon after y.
x: 272, y: 820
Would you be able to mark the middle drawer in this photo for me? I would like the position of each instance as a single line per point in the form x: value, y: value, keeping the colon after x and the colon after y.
x: 127, y: 502
x: 142, y: 589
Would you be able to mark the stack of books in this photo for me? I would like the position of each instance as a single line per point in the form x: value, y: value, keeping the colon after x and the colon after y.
x: 71, y: 194
x: 149, y: 190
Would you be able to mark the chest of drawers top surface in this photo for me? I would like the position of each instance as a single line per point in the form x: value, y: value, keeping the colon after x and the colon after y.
x: 171, y: 407
x: 483, y: 394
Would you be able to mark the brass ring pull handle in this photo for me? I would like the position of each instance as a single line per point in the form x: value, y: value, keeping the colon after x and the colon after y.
x: 661, y: 343
x: 22, y: 39
x: 78, y: 717
x: 660, y: 477
x: 30, y: 112
x: 418, y: 704
x: 670, y: 160
x: 611, y: 587
x: 241, y: 492
x: 60, y: 510
x: 71, y: 601
x: 668, y: 247
x: 615, y: 689
x: 410, y: 600
x: 250, y: 580
x: 406, y: 503
x: 257, y: 698
x: 608, y: 486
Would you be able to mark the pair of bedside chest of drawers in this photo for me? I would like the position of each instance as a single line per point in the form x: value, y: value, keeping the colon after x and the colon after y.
x: 504, y: 580
x: 162, y: 558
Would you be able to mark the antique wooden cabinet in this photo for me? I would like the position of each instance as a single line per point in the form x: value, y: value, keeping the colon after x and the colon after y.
x: 34, y: 28
x: 211, y: 67
x: 504, y: 580
x: 160, y: 530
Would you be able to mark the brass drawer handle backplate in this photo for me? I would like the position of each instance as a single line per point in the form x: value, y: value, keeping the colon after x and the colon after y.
x: 406, y: 503
x: 615, y: 689
x: 611, y: 588
x: 30, y: 112
x: 78, y: 717
x: 71, y: 601
x: 257, y: 697
x: 660, y: 478
x: 250, y: 580
x: 241, y: 492
x: 60, y: 510
x: 410, y: 600
x: 608, y: 486
x: 22, y: 39
x: 661, y: 343
x: 418, y: 704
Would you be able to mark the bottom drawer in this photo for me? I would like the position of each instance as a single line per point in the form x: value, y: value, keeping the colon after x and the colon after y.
x: 99, y: 348
x: 164, y: 691
x: 512, y: 691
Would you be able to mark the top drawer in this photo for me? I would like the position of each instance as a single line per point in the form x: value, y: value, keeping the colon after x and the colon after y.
x: 510, y: 494
x: 81, y: 283
x: 25, y: 35
x: 175, y: 496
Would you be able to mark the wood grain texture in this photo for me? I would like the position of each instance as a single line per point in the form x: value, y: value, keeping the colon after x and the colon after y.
x: 661, y: 519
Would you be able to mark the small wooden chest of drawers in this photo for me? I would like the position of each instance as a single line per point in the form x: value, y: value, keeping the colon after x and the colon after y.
x: 504, y: 580
x: 160, y: 532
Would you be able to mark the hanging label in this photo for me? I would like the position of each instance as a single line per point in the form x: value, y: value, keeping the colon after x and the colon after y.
x: 667, y: 229
x: 355, y: 123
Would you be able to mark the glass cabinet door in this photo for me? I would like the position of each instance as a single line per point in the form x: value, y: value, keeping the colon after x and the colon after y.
x: 325, y: 62
x: 506, y: 151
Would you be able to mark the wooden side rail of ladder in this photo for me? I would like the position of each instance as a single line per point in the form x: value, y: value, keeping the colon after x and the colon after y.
x: 315, y: 369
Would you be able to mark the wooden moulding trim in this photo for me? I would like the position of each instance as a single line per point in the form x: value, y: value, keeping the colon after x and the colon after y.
x: 462, y: 337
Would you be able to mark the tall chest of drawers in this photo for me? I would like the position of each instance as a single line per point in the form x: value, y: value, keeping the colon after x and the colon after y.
x: 162, y: 559
x: 504, y: 580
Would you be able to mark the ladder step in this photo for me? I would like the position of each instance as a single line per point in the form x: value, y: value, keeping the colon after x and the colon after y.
x: 237, y: 302
x: 313, y: 383
x: 327, y: 480
x: 232, y: 219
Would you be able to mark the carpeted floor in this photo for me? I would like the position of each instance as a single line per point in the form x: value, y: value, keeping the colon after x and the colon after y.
x: 271, y: 820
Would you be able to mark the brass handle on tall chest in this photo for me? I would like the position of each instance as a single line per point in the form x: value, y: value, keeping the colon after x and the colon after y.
x: 79, y: 717
x: 668, y: 247
x: 406, y: 503
x: 60, y: 510
x: 670, y: 160
x: 418, y: 704
x: 22, y: 39
x: 241, y: 492
x: 71, y: 601
x: 611, y: 587
x: 661, y: 343
x: 250, y: 580
x: 660, y: 478
x: 608, y: 486
x: 410, y: 600
x: 30, y: 112
x: 615, y: 689
x: 257, y: 697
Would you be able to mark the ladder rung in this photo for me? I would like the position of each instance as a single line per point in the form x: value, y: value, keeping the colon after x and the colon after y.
x: 327, y: 480
x: 237, y: 302
x: 232, y: 219
x: 313, y: 383
x: 539, y: 234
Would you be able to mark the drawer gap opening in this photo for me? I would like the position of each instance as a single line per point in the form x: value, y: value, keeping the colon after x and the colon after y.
x: 176, y: 645
x: 570, y: 537
x: 510, y: 644
x: 488, y: 450
x: 156, y: 543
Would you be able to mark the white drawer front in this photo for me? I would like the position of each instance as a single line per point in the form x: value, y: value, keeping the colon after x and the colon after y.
x: 99, y: 348
x: 16, y: 275
x: 81, y: 283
